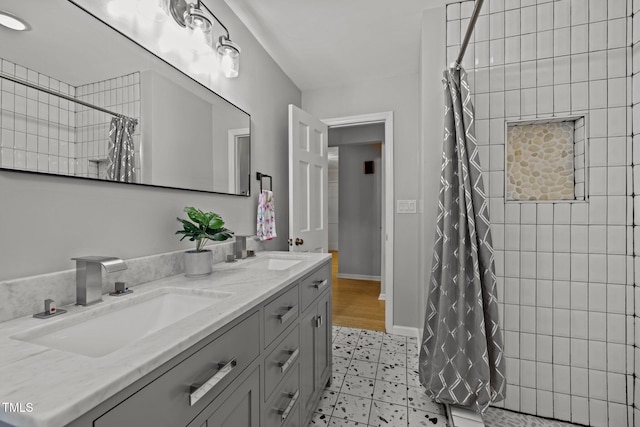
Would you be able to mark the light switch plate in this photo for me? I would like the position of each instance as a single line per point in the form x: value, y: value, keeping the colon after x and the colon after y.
x: 406, y: 206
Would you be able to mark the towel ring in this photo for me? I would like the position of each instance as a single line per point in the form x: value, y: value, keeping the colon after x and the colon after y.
x: 260, y: 176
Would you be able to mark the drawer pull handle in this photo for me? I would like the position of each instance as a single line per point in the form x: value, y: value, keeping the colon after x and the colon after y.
x: 318, y: 321
x: 285, y: 365
x: 198, y: 391
x: 292, y: 309
x: 319, y: 284
x: 285, y: 413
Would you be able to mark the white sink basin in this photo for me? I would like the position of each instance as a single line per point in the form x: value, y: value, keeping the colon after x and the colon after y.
x: 98, y: 332
x: 274, y: 263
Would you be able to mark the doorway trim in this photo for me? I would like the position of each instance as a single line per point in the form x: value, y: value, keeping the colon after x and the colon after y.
x: 387, y: 236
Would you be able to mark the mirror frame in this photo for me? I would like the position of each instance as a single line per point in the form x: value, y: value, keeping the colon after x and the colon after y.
x: 248, y: 194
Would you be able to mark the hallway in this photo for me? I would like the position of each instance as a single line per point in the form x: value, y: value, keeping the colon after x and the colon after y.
x: 355, y: 302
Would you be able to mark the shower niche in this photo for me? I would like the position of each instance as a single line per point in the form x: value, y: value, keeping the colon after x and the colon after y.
x: 545, y: 160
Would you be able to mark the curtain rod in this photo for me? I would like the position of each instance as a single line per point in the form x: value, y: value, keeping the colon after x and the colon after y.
x: 467, y: 36
x: 68, y: 98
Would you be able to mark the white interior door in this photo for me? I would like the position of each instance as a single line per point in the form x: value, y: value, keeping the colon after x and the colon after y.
x: 308, y: 183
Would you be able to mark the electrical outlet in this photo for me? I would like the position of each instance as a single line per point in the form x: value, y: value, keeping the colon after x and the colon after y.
x: 406, y: 206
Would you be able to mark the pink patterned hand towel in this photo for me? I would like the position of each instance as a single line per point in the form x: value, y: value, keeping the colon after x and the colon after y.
x: 266, y: 216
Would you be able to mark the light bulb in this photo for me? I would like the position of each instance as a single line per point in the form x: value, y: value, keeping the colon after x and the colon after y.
x: 229, y: 63
x: 199, y: 40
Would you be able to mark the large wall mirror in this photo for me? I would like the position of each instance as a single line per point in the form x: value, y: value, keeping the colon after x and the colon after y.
x: 176, y: 132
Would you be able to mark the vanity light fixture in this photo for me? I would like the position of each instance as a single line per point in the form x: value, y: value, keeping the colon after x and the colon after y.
x: 13, y: 22
x: 197, y: 18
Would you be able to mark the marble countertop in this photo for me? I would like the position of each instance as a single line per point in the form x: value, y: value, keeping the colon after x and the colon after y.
x: 60, y: 386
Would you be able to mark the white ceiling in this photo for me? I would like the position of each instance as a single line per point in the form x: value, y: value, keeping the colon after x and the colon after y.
x: 321, y: 43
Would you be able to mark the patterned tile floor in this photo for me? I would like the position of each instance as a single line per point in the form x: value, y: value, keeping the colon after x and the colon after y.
x: 375, y: 383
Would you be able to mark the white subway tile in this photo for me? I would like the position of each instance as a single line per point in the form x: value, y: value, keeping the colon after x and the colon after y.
x: 580, y: 405
x: 617, y: 9
x: 562, y: 70
x: 579, y: 12
x: 496, y: 26
x: 617, y: 34
x: 512, y: 23
x: 496, y: 52
x: 512, y: 49
x: 528, y: 50
x: 598, y: 355
x: 598, y: 385
x: 528, y: 20
x: 562, y: 404
x: 598, y: 65
x: 598, y: 267
x: 562, y: 98
x: 616, y: 62
x: 579, y: 39
x: 528, y: 102
x: 562, y: 41
x: 545, y: 44
x: 597, y: 10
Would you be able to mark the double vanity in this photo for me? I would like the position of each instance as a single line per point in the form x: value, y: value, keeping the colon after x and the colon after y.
x: 249, y: 345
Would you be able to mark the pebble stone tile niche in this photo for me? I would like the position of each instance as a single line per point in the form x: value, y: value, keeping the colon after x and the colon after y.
x: 545, y: 160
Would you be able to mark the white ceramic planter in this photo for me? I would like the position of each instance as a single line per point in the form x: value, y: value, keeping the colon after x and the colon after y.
x: 198, y: 264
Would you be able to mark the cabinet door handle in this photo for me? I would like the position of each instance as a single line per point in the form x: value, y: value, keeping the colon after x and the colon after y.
x: 285, y: 365
x: 318, y: 321
x: 285, y: 412
x: 290, y: 312
x: 198, y: 391
x: 319, y: 284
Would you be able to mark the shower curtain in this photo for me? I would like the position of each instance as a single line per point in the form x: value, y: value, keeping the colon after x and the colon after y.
x: 121, y: 152
x: 461, y: 356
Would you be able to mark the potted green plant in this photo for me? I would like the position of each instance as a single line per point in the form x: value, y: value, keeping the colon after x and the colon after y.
x: 200, y: 228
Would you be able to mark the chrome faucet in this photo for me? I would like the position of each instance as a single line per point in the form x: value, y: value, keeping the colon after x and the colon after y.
x: 89, y: 276
x: 240, y: 247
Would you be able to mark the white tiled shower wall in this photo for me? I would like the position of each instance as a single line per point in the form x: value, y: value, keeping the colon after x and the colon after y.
x: 635, y: 159
x: 37, y: 128
x: 565, y: 269
x: 45, y: 133
x: 120, y: 95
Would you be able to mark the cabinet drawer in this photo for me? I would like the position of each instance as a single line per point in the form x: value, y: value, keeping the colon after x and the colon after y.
x: 282, y: 408
x: 168, y: 400
x: 279, y: 314
x: 315, y: 284
x: 281, y: 361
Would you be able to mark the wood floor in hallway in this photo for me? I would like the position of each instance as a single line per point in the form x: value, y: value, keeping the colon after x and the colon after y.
x: 355, y: 302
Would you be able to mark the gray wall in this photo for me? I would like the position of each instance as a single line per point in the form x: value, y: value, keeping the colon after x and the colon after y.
x: 176, y: 124
x: 433, y: 62
x: 356, y: 134
x: 360, y: 198
x: 46, y: 220
x: 402, y: 96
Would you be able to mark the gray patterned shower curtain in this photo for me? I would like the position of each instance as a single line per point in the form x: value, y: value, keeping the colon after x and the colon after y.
x: 121, y: 151
x: 461, y: 356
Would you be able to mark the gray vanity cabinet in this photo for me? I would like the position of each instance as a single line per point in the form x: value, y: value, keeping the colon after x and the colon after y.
x: 266, y: 368
x: 241, y: 408
x: 315, y: 353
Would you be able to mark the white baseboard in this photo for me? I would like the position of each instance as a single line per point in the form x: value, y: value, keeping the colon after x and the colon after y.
x: 382, y: 297
x: 407, y: 331
x: 358, y: 277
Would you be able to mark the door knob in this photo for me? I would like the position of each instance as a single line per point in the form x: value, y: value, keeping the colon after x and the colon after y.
x: 299, y: 241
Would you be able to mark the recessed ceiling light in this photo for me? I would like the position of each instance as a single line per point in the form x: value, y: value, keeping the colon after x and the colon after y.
x: 13, y: 22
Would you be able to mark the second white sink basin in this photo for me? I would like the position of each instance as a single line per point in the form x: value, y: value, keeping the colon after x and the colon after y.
x: 274, y: 263
x: 112, y: 327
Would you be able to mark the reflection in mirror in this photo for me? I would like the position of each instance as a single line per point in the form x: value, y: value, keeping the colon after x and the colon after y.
x: 137, y: 120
